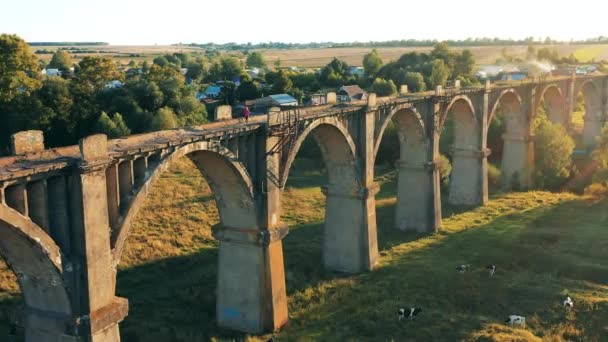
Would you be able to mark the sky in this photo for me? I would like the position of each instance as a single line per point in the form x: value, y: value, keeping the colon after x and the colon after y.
x: 129, y: 22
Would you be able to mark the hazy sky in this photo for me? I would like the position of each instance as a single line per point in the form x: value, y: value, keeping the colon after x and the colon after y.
x: 186, y: 21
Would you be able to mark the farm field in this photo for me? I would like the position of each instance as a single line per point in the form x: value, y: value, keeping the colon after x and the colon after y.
x: 544, y: 245
x: 319, y: 57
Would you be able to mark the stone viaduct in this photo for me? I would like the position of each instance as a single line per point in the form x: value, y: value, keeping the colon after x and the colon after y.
x: 65, y: 213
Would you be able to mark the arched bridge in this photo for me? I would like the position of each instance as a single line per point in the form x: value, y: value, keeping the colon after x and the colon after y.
x: 65, y: 213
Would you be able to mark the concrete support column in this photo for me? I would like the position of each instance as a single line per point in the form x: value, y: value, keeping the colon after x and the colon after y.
x: 593, y: 127
x: 517, y: 162
x: 251, y: 274
x: 140, y: 170
x: 16, y: 198
x: 58, y: 212
x: 38, y: 204
x: 126, y: 180
x: 251, y: 285
x: 100, y: 311
x: 43, y: 326
x: 349, y: 218
x: 415, y: 208
x: 113, y: 190
x: 468, y: 177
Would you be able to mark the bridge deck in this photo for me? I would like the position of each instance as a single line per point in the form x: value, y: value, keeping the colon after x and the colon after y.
x: 59, y: 158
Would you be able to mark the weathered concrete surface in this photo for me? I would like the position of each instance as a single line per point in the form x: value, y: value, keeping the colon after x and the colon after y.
x: 223, y: 113
x: 27, y: 142
x: 66, y: 213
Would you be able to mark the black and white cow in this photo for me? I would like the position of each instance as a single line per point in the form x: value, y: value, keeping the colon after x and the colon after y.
x: 491, y: 269
x: 568, y: 303
x: 410, y: 313
x: 462, y: 268
x: 514, y: 319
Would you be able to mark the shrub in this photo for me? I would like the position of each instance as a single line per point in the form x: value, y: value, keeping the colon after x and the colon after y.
x: 553, y: 149
x: 494, y: 176
x: 383, y: 87
x: 445, y: 168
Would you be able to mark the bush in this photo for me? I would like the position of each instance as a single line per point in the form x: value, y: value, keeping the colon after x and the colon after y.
x: 445, y: 168
x: 596, y: 190
x: 553, y: 149
x: 383, y: 87
x: 494, y: 177
x: 165, y: 118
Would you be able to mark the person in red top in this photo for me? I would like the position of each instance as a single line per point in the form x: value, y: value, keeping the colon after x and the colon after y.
x: 246, y: 113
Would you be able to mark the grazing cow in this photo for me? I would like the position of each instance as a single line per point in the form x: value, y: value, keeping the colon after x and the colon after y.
x: 491, y: 269
x: 411, y: 313
x: 462, y: 268
x: 568, y: 303
x: 514, y: 319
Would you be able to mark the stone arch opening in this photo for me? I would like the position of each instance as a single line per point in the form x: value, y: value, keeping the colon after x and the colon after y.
x: 510, y: 141
x: 190, y: 194
x: 343, y: 217
x: 553, y: 105
x: 37, y: 263
x: 405, y: 129
x: 461, y: 142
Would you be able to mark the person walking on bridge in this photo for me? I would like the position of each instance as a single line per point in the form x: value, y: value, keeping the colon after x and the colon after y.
x: 246, y: 113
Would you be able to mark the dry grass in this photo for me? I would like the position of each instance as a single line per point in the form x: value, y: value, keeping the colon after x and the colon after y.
x: 310, y: 58
x: 545, y: 245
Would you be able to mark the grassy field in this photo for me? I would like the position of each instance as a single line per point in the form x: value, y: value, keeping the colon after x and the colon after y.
x: 545, y: 246
x: 320, y: 57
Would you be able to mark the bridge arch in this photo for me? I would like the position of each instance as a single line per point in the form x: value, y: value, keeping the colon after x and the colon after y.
x: 415, y: 193
x: 396, y: 117
x: 337, y: 148
x: 37, y: 261
x: 345, y: 223
x: 555, y: 104
x: 461, y: 128
x: 593, y: 117
x: 515, y: 150
x: 228, y: 179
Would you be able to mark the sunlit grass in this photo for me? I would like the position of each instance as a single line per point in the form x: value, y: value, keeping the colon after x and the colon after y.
x: 545, y: 246
x: 589, y: 53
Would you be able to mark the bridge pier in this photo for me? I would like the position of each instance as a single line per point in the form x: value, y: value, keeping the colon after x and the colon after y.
x: 517, y: 162
x: 98, y: 309
x: 349, y: 234
x: 468, y: 177
x: 592, y: 129
x: 250, y: 279
x: 417, y: 190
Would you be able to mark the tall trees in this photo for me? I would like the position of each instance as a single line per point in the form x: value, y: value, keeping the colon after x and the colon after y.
x: 18, y: 68
x: 383, y: 87
x: 114, y: 127
x: 335, y: 73
x: 61, y: 60
x: 439, y: 73
x: 372, y: 63
x: 282, y: 84
x: 256, y: 60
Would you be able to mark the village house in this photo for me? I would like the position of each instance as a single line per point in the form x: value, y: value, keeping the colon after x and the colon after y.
x: 351, y: 93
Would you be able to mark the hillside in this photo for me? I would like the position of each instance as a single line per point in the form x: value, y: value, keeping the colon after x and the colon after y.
x: 544, y: 245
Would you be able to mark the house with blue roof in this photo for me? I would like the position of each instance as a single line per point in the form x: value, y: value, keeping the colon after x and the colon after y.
x: 278, y: 100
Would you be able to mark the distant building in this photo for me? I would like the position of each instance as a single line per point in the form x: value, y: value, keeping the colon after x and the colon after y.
x: 513, y: 76
x: 279, y: 100
x: 213, y: 91
x: 356, y: 71
x: 115, y: 84
x: 351, y: 93
x: 184, y: 71
x: 253, y: 72
x: 51, y: 72
x: 133, y: 72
